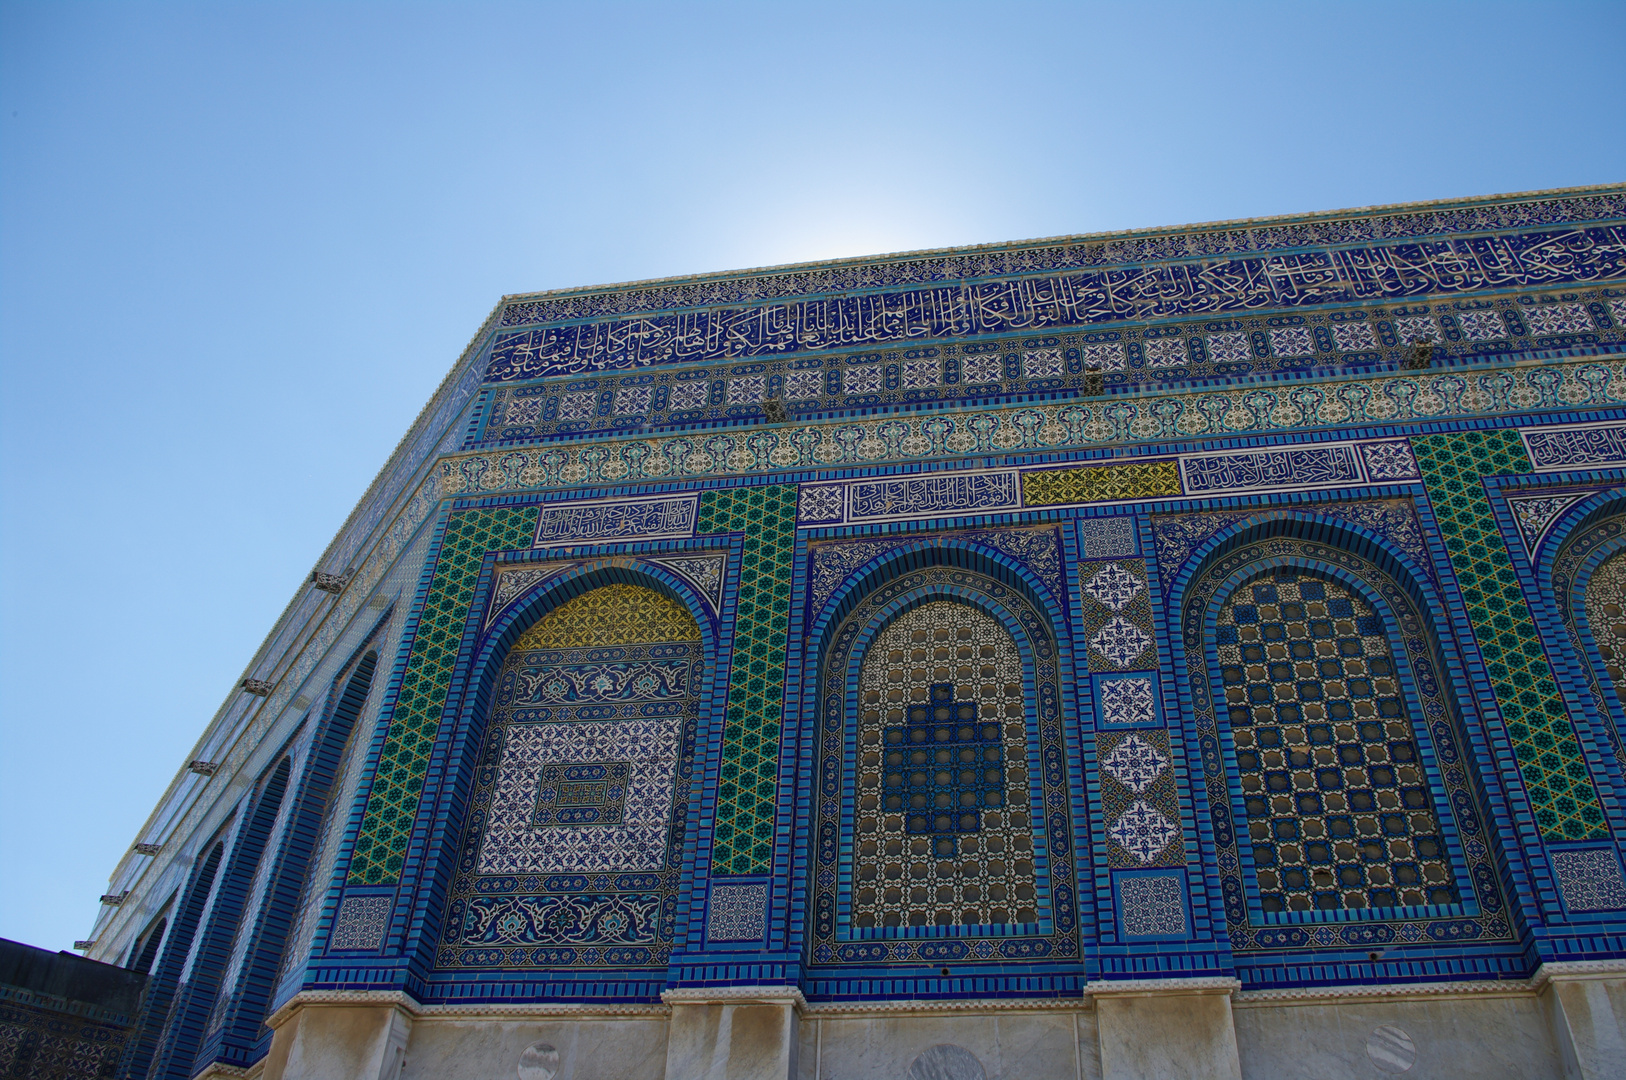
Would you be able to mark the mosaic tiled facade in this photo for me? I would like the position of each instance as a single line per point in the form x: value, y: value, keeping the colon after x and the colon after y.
x: 1240, y: 604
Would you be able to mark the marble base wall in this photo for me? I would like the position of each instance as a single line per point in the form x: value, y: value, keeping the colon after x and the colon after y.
x: 1559, y: 1027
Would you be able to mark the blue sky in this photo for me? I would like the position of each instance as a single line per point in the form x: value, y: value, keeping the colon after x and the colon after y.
x: 240, y: 244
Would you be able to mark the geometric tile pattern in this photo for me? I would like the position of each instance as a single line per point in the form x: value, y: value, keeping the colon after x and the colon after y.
x: 1152, y: 904
x: 571, y: 854
x: 1142, y: 832
x: 743, y: 837
x: 1135, y: 763
x: 393, y: 802
x: 1139, y: 799
x: 360, y: 922
x: 940, y: 777
x: 1127, y: 701
x: 616, y: 614
x: 736, y: 912
x: 1481, y: 325
x: 1555, y: 773
x: 1603, y: 605
x: 526, y: 832
x: 879, y: 892
x: 1590, y: 879
x: 940, y: 435
x: 947, y: 764
x: 1557, y: 319
x: 1105, y: 538
x: 1117, y: 616
x: 1606, y: 616
x: 1113, y: 586
x: 40, y: 1039
x: 1429, y: 704
x: 1292, y: 341
x: 1338, y: 807
x: 1101, y: 483
x: 1228, y: 348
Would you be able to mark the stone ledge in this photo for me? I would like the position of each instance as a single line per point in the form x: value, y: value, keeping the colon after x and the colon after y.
x: 735, y: 995
x: 835, y: 1010
x: 568, y: 1010
x: 1210, y: 984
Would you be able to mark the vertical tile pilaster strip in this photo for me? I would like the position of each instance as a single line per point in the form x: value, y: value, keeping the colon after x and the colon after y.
x: 743, y: 836
x: 1555, y: 772
x: 392, y: 803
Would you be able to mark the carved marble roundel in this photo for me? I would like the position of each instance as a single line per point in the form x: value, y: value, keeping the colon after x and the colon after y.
x: 540, y: 1061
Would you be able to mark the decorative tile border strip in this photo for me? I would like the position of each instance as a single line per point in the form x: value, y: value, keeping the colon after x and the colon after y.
x: 1216, y: 287
x: 1102, y: 483
x: 1575, y: 446
x: 901, y: 498
x: 1287, y: 468
x: 1113, y: 357
x: 1295, y: 468
x: 1584, y: 382
x: 1544, y: 742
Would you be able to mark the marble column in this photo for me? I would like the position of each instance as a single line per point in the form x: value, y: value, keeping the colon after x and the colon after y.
x: 732, y: 1033
x: 1586, y: 1006
x: 356, y: 1036
x: 1150, y: 1029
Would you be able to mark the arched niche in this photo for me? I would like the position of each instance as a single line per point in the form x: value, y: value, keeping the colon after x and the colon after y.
x: 1586, y: 567
x: 570, y: 854
x: 1334, y: 743
x: 941, y: 824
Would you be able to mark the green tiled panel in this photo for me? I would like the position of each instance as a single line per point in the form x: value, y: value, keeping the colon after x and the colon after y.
x: 1561, y: 792
x: 393, y: 802
x: 743, y: 841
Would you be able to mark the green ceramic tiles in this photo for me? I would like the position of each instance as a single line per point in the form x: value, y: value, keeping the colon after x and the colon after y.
x: 393, y: 802
x: 743, y: 839
x: 1555, y: 774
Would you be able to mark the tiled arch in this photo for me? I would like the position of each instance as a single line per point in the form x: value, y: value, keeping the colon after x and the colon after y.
x: 1433, y: 688
x: 451, y: 784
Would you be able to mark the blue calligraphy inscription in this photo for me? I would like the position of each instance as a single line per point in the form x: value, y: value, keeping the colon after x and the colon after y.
x: 610, y: 521
x: 1574, y: 447
x: 1030, y: 304
x: 1266, y: 469
x: 934, y: 495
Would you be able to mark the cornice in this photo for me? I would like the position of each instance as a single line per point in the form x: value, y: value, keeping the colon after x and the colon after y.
x: 836, y: 1010
x: 503, y: 1010
x: 1119, y: 421
x: 1576, y: 970
x: 1332, y: 995
x: 1554, y: 971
